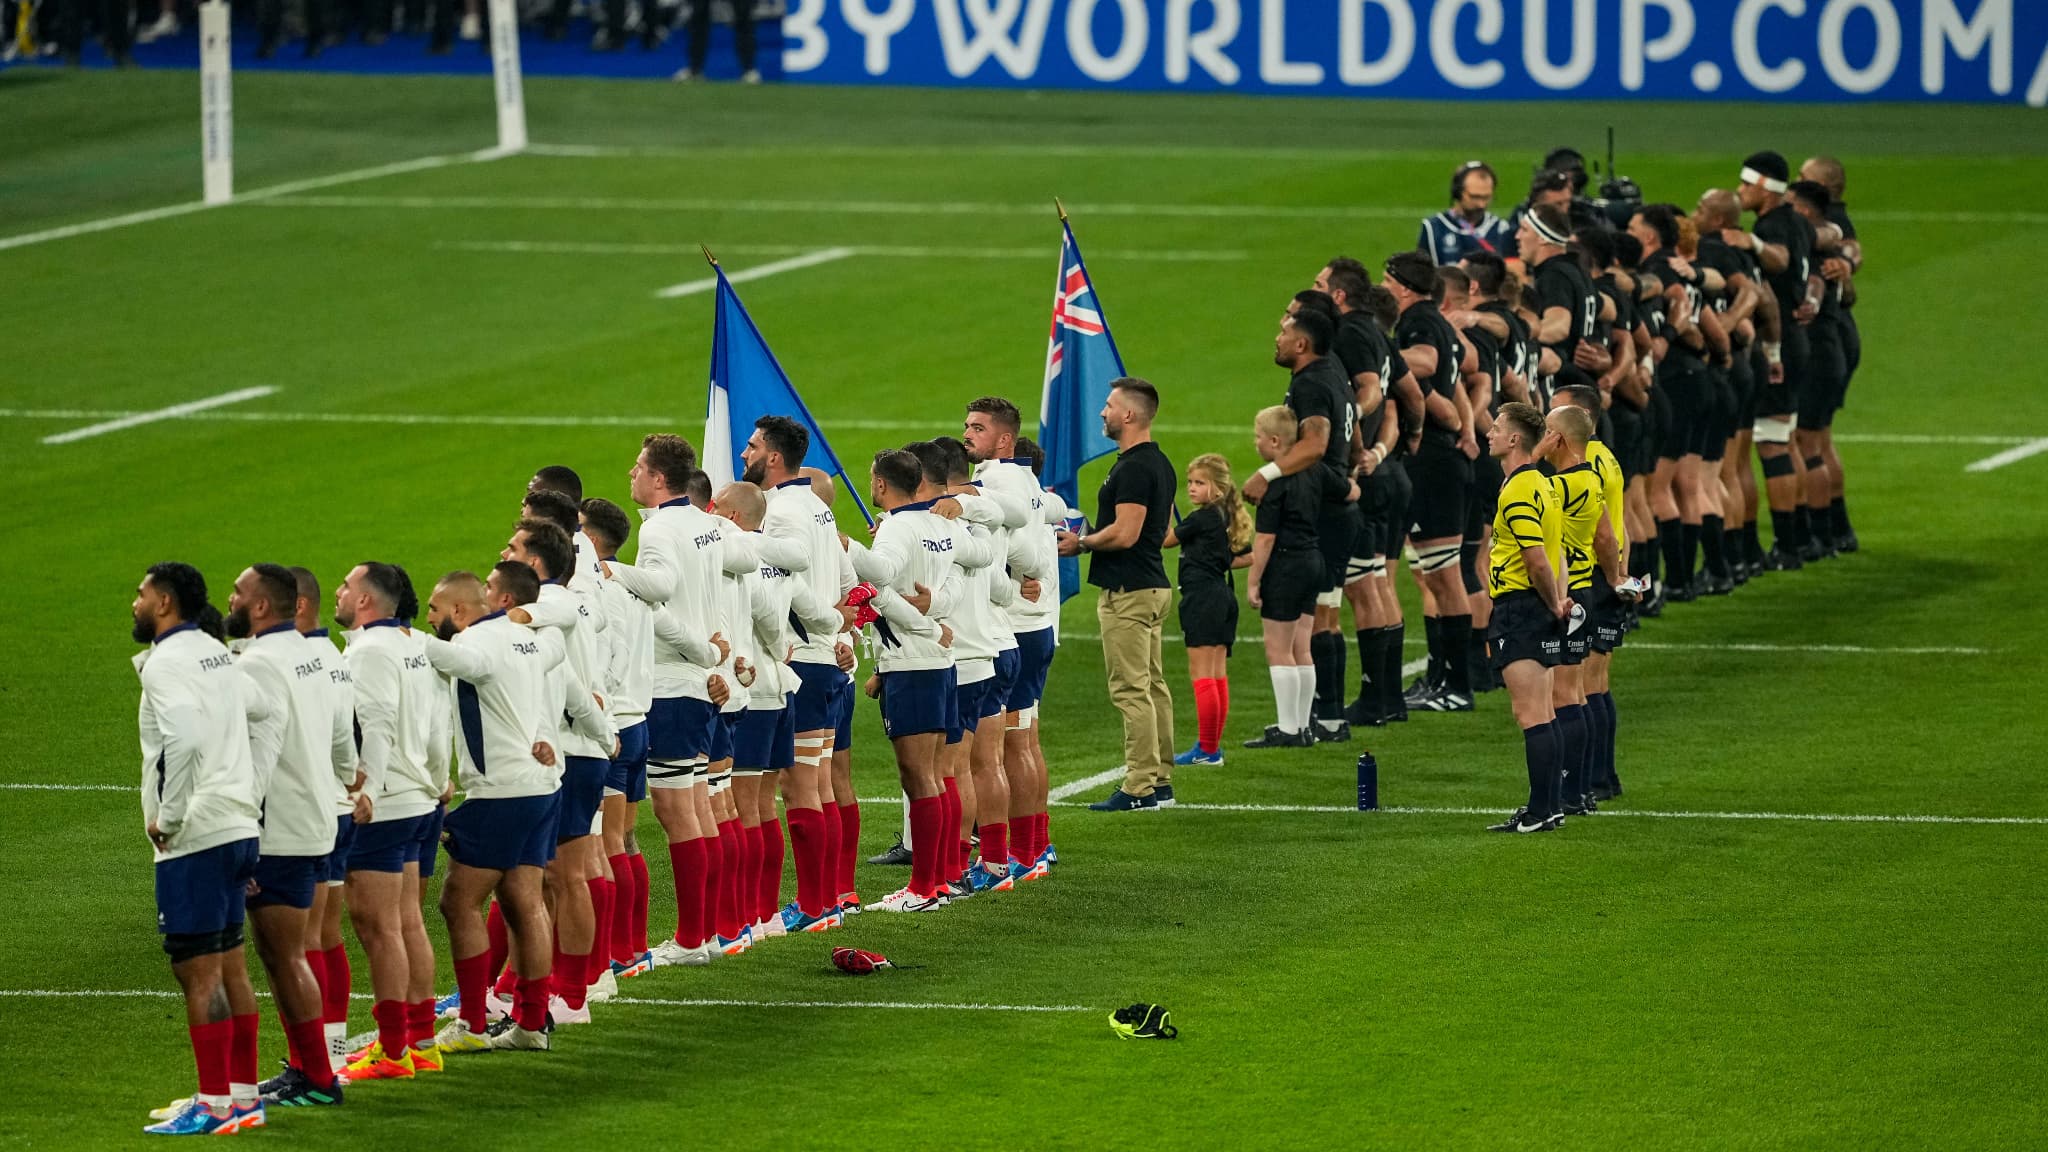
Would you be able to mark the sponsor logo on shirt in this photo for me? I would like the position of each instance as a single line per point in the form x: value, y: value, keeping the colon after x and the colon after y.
x: 526, y: 648
x: 938, y: 545
x: 209, y: 663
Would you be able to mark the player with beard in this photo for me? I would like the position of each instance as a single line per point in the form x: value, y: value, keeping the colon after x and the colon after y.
x: 1323, y: 399
x: 294, y: 753
x: 1782, y: 243
x: 1841, y: 268
x: 1829, y: 375
x: 800, y: 537
x: 1735, y: 307
x: 1441, y: 471
x: 201, y: 809
x: 1381, y: 385
x: 324, y: 948
x: 1003, y: 462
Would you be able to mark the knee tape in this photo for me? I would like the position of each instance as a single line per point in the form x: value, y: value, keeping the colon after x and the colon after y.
x: 1437, y: 559
x: 721, y: 782
x: 1776, y: 466
x: 183, y: 946
x: 1360, y: 567
x: 1331, y: 599
x: 1773, y: 429
x: 597, y: 823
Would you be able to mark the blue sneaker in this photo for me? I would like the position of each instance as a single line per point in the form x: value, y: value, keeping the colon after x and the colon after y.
x: 1122, y: 801
x: 1195, y: 755
x: 248, y: 1117
x: 794, y: 920
x: 1021, y: 871
x: 980, y: 879
x: 1051, y: 855
x: 1162, y: 796
x: 451, y: 1004
x: 196, y: 1120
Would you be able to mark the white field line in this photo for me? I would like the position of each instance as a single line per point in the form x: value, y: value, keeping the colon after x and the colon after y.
x: 2011, y: 455
x: 1653, y: 646
x: 137, y: 419
x: 896, y: 251
x: 1120, y: 151
x: 1076, y: 787
x: 807, y: 260
x: 849, y: 207
x: 15, y: 787
x: 998, y: 208
x: 1617, y: 813
x: 856, y: 423
x: 706, y: 1002
x: 258, y: 195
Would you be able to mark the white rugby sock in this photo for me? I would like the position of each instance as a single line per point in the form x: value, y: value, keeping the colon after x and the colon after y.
x: 1286, y: 702
x: 1304, y: 694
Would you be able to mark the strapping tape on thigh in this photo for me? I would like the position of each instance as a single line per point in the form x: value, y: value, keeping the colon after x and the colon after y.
x: 1359, y: 567
x: 1333, y: 598
x: 1773, y: 429
x: 1437, y: 559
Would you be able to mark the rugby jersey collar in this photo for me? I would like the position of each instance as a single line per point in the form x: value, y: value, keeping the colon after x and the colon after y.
x: 188, y: 626
x: 274, y: 628
x: 678, y: 502
x: 916, y: 506
x: 317, y: 634
x: 487, y: 619
x: 387, y: 622
x: 794, y: 482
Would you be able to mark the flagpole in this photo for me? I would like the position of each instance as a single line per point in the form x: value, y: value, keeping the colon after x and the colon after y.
x: 708, y: 257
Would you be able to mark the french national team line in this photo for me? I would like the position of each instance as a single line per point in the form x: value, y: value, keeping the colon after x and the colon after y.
x: 1573, y: 395
x: 283, y: 781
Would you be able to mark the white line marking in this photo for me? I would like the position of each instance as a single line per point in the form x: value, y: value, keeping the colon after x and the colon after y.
x: 1922, y: 438
x: 894, y: 1004
x: 1120, y: 151
x: 898, y: 251
x: 137, y: 419
x: 808, y: 260
x: 14, y: 787
x: 1613, y: 813
x: 258, y: 195
x: 995, y: 208
x: 852, y: 207
x: 165, y: 994
x: 1075, y: 787
x: 2009, y: 456
x: 1415, y: 666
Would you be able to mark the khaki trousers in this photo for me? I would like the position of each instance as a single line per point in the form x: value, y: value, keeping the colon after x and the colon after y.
x: 1132, y: 624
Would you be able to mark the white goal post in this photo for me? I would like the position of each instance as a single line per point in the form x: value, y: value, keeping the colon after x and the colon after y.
x: 217, y: 105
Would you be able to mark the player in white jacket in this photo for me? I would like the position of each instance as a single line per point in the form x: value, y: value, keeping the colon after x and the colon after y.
x: 293, y: 753
x: 629, y: 670
x: 914, y: 548
x: 508, y: 710
x: 200, y: 809
x: 324, y: 948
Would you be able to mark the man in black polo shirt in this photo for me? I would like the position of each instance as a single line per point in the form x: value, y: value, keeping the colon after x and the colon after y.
x: 1441, y: 470
x: 1133, y: 507
x: 1324, y: 403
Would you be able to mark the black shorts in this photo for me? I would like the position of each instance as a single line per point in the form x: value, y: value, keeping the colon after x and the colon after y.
x: 1720, y: 414
x: 1656, y: 418
x: 1691, y: 395
x: 1827, y: 378
x: 1523, y: 629
x: 1753, y: 394
x: 1371, y: 507
x: 1442, y: 478
x: 1607, y: 614
x: 1290, y: 585
x: 1628, y: 438
x: 1208, y: 616
x: 1482, y: 500
x: 1391, y: 519
x: 1852, y: 343
x: 1336, y: 535
x: 1782, y: 398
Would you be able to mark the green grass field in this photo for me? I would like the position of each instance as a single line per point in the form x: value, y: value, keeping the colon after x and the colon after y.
x: 1660, y: 975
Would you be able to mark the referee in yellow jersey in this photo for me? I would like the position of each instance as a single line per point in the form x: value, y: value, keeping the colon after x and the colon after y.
x: 1588, y: 545
x: 1608, y: 609
x: 1527, y: 631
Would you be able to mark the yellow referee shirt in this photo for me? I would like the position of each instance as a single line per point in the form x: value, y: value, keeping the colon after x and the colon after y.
x: 1612, y: 486
x: 1526, y: 517
x: 1580, y: 503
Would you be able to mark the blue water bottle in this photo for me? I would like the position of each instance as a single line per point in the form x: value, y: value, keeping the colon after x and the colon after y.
x: 1368, y: 782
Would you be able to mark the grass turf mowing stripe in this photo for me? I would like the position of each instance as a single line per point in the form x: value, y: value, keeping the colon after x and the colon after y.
x: 1653, y: 646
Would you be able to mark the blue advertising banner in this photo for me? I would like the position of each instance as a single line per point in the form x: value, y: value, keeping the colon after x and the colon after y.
x: 1987, y: 51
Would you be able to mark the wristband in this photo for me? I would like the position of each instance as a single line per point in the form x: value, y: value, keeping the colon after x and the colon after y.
x: 1756, y: 243
x: 1772, y: 352
x: 1270, y: 472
